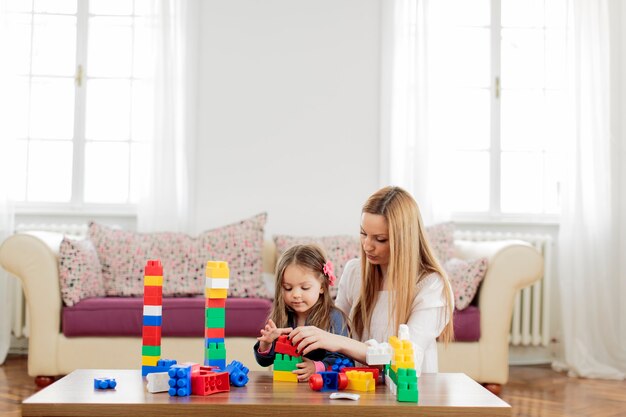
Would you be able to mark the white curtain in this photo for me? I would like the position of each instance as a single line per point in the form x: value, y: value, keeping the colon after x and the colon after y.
x: 407, y: 157
x: 7, y: 283
x: 166, y: 171
x: 591, y: 282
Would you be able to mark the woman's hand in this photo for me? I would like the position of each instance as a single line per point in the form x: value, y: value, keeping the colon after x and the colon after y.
x: 311, y: 338
x: 306, y: 368
x: 270, y: 333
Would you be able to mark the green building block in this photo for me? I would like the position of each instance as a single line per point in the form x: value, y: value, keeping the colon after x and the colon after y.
x: 286, y: 362
x: 215, y: 318
x: 215, y: 351
x: 406, y: 385
x: 151, y: 350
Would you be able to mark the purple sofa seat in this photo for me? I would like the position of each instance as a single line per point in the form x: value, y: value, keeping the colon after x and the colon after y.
x: 182, y: 317
x: 467, y: 324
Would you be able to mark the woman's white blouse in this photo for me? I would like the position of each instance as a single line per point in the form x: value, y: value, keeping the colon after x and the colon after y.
x: 428, y: 317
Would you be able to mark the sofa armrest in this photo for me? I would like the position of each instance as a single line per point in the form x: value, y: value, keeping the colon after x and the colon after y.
x: 33, y: 258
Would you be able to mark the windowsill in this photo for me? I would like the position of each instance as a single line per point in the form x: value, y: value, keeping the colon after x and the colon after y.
x: 507, y: 220
x: 75, y: 210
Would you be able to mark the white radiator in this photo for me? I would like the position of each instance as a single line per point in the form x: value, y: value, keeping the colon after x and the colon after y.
x: 19, y: 325
x: 530, y: 325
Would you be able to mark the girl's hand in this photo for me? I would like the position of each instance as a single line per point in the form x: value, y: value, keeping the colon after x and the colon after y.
x: 306, y: 368
x: 311, y: 338
x: 270, y: 333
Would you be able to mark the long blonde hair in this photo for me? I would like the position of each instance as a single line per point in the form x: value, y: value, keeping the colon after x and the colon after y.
x: 313, y: 258
x: 407, y: 239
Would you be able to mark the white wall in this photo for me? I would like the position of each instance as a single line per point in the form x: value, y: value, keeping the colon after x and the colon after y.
x: 288, y: 113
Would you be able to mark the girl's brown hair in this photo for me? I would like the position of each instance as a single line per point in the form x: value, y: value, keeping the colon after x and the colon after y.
x: 313, y: 258
x: 411, y: 259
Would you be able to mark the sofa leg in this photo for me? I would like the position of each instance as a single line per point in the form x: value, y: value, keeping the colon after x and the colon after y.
x: 44, y: 381
x: 494, y: 388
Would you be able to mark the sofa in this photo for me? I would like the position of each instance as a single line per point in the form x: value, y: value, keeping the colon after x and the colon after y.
x: 32, y: 257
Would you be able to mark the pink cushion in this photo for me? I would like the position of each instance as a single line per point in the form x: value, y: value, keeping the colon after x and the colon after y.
x: 465, y: 277
x: 80, y: 274
x: 123, y: 255
x: 182, y: 317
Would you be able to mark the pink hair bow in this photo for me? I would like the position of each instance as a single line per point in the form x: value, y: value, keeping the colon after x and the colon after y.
x: 329, y: 272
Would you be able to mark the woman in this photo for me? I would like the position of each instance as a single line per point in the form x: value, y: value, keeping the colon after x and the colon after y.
x: 397, y: 281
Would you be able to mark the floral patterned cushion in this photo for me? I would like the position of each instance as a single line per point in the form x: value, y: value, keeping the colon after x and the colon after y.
x: 123, y: 255
x: 465, y: 277
x: 441, y: 238
x: 339, y: 249
x: 80, y: 274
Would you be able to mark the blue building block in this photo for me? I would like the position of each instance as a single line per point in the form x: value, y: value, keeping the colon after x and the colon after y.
x: 220, y: 363
x: 104, y: 383
x: 238, y: 373
x: 180, y: 380
x: 209, y: 340
x: 331, y: 381
x: 163, y: 365
x: 152, y: 320
x: 340, y: 364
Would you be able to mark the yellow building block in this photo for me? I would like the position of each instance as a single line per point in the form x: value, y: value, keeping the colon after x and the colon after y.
x: 361, y: 381
x: 150, y: 360
x: 213, y: 293
x: 153, y: 281
x: 285, y: 376
x: 217, y: 269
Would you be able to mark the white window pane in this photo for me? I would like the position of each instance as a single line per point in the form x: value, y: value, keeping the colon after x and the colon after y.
x: 145, y: 7
x: 54, y: 45
x: 556, y: 59
x: 460, y: 119
x: 110, y: 47
x: 523, y: 120
x: 554, y: 166
x: 522, y: 58
x: 17, y: 168
x: 108, y: 110
x: 52, y: 108
x: 143, y: 110
x: 55, y: 6
x: 522, y: 13
x: 112, y: 7
x: 466, y: 181
x: 138, y: 168
x: 50, y: 171
x: 557, y: 127
x: 18, y: 6
x: 15, y: 122
x: 556, y: 13
x: 145, y: 37
x: 522, y: 187
x: 15, y: 40
x: 460, y: 57
x: 106, y: 172
x: 460, y: 12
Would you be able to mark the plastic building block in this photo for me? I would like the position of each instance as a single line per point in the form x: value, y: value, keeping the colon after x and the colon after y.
x: 215, y: 293
x: 218, y: 363
x: 158, y: 382
x: 328, y: 381
x: 238, y: 373
x: 149, y: 360
x: 104, y: 383
x: 153, y: 267
x: 361, y: 381
x: 340, y: 364
x: 152, y: 320
x: 378, y: 353
x: 166, y: 362
x: 217, y: 269
x: 285, y: 376
x: 216, y: 283
x: 151, y: 351
x: 214, y: 333
x: 153, y: 281
x: 286, y: 363
x: 406, y: 385
x: 344, y: 396
x: 403, y: 353
x: 209, y: 382
x: 215, y: 303
x: 151, y: 335
x: 215, y: 351
x: 284, y: 346
x: 375, y: 371
x: 180, y: 380
x: 403, y: 332
x: 152, y: 310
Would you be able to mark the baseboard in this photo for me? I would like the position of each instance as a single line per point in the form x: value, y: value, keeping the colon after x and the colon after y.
x: 19, y: 346
x: 530, y: 355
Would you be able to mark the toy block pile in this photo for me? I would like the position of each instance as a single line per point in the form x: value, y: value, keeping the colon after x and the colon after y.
x: 152, y: 316
x: 286, y: 360
x: 216, y: 291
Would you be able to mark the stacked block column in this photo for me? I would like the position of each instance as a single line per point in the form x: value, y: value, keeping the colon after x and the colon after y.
x: 286, y: 360
x: 152, y: 316
x: 216, y: 291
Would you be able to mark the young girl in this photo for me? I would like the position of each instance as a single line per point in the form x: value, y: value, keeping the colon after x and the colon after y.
x: 397, y: 281
x: 303, y: 277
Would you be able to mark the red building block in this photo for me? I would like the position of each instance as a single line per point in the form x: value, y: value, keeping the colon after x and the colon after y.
x: 206, y: 382
x: 153, y: 268
x: 215, y: 303
x: 152, y: 295
x: 284, y: 346
x: 214, y: 333
x: 151, y: 335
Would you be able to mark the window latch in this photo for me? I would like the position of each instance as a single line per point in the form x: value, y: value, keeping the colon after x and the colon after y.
x: 78, y: 78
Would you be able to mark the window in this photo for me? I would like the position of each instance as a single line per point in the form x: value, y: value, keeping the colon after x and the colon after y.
x: 81, y: 98
x: 496, y: 102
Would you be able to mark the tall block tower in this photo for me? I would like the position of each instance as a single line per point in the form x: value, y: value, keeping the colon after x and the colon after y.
x: 216, y: 291
x: 152, y: 316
